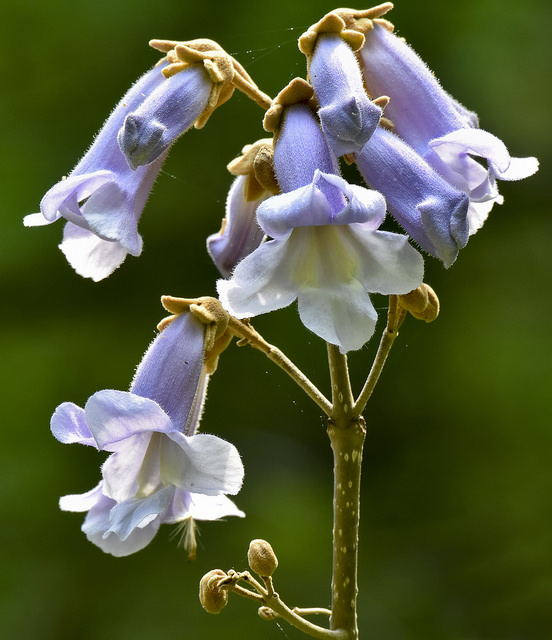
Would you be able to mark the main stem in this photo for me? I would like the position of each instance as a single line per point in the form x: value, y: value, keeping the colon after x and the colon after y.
x: 347, y: 433
x: 347, y: 441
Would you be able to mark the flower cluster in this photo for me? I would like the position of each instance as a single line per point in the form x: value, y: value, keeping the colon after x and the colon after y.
x: 294, y: 229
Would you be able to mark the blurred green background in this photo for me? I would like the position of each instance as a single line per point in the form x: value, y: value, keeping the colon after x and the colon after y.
x: 457, y: 504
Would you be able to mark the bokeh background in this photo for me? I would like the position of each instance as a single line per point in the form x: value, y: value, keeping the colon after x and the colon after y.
x: 457, y: 504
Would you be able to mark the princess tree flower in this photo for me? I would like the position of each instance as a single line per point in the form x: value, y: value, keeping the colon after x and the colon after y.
x: 347, y: 115
x: 437, y: 127
x: 103, y: 198
x: 240, y: 234
x: 160, y: 470
x: 326, y: 249
x: 169, y: 111
x: 427, y: 207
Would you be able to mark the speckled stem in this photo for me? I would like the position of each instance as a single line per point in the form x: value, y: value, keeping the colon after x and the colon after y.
x: 347, y: 440
x: 347, y: 432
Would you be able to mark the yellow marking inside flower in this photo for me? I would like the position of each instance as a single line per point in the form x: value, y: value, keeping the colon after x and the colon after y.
x: 323, y: 256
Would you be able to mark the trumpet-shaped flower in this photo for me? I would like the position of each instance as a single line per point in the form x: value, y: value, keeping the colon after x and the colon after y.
x: 164, y: 115
x: 347, y: 115
x: 104, y: 196
x: 327, y: 253
x: 437, y: 127
x: 160, y: 470
x: 326, y: 250
x: 240, y: 234
x: 428, y: 208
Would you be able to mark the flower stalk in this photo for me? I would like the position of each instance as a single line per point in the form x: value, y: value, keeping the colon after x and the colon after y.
x: 347, y: 440
x: 244, y: 330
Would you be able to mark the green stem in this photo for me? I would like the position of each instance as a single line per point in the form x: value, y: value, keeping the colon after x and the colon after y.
x: 347, y: 439
x: 347, y: 432
x: 244, y: 330
x: 342, y: 394
x: 395, y: 317
x: 308, y: 628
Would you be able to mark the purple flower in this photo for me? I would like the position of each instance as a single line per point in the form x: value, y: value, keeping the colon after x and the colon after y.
x: 240, y: 234
x: 428, y: 208
x: 347, y: 115
x: 102, y: 199
x: 326, y: 250
x: 436, y: 126
x: 164, y: 115
x: 160, y: 470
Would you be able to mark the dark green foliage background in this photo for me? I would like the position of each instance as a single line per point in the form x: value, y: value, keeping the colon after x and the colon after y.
x: 457, y: 505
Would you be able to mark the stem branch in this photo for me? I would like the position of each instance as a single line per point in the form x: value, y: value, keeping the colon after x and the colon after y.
x: 244, y: 330
x: 308, y: 628
x: 395, y: 317
x: 342, y: 394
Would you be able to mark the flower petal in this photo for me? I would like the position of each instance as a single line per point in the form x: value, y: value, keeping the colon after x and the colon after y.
x: 111, y: 216
x: 124, y: 469
x: 96, y: 527
x: 68, y: 425
x: 343, y: 316
x: 201, y: 464
x: 83, y: 501
x: 116, y: 415
x: 67, y: 193
x: 200, y: 507
x: 388, y: 264
x: 127, y: 516
x: 260, y: 283
x: 329, y: 199
x: 90, y: 256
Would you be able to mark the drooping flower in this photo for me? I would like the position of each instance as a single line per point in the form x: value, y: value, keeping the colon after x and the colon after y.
x: 428, y: 208
x: 347, y: 114
x: 103, y: 198
x: 326, y: 250
x: 160, y: 470
x: 169, y: 111
x: 437, y: 126
x: 240, y: 234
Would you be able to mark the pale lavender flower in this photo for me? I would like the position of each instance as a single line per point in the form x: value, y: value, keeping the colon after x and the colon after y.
x: 428, y: 208
x: 160, y: 470
x: 326, y: 250
x: 347, y: 114
x: 164, y: 115
x: 436, y: 126
x: 102, y: 199
x: 240, y: 234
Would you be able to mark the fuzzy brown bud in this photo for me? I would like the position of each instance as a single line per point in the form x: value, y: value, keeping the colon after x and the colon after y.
x: 261, y: 558
x: 422, y: 303
x: 213, y: 599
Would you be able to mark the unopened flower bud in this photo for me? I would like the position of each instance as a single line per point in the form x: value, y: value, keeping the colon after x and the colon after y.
x: 266, y: 613
x: 422, y: 303
x: 262, y: 558
x: 213, y: 599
